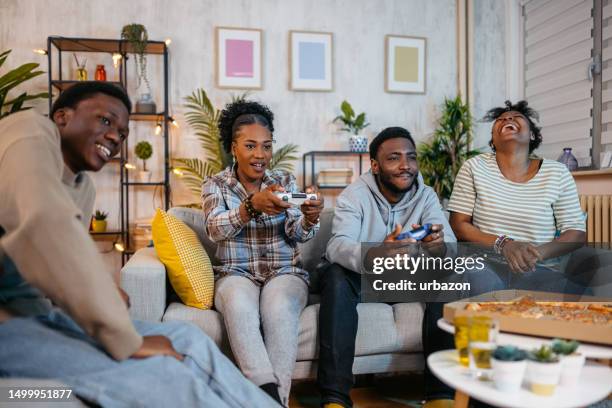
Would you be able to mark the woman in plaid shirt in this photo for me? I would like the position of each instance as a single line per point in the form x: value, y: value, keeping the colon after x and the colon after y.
x: 261, y: 289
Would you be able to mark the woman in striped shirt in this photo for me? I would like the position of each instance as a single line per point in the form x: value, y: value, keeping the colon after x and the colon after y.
x: 513, y: 201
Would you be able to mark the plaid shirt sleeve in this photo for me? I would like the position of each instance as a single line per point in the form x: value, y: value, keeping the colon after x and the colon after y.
x: 295, y: 222
x: 221, y: 223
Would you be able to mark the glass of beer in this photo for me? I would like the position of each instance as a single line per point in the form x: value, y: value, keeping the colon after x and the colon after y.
x: 482, y: 337
x: 462, y: 338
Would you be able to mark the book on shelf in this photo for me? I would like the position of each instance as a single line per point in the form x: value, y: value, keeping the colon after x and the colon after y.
x: 334, y: 177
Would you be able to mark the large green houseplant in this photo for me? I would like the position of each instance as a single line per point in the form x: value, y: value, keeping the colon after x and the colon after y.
x: 441, y: 157
x: 12, y: 79
x: 203, y: 117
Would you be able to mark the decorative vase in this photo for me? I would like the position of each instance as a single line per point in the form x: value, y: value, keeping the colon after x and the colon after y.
x: 543, y: 377
x: 358, y: 144
x: 98, y: 225
x: 571, y: 367
x: 508, y: 375
x: 81, y: 74
x: 145, y: 104
x: 568, y: 159
x: 144, y: 176
x: 100, y: 73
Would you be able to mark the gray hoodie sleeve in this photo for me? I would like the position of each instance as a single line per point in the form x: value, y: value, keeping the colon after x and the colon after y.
x: 433, y: 214
x: 344, y: 247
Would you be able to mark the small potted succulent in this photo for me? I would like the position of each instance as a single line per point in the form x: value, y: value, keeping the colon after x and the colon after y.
x: 543, y: 370
x: 144, y: 151
x: 571, y: 361
x: 98, y: 223
x: 509, y: 364
x: 353, y: 124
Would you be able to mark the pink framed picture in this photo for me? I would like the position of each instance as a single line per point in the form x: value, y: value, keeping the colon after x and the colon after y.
x: 238, y: 58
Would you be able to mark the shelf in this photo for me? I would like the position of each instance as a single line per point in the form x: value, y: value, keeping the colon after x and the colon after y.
x: 333, y: 153
x: 139, y: 183
x: 151, y: 117
x: 63, y: 85
x: 104, y: 45
x: 110, y: 236
x: 332, y: 187
x: 600, y: 172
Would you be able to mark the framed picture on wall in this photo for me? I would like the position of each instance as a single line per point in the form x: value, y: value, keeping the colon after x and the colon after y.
x: 310, y: 61
x: 238, y: 55
x: 405, y: 64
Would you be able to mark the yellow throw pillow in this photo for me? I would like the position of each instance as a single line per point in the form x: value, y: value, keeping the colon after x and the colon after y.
x: 187, y: 263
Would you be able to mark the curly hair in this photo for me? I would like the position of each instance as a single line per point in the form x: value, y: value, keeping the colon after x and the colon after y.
x: 240, y: 113
x: 529, y: 113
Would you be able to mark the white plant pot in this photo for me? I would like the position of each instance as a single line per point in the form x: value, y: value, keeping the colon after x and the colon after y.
x: 571, y: 367
x: 144, y: 176
x: 508, y: 375
x: 543, y: 377
x: 358, y: 144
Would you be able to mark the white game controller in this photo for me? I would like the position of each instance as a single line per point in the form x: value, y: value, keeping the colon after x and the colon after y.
x: 296, y: 199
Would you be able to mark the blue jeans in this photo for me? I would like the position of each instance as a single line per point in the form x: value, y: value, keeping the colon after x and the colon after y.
x: 54, y: 346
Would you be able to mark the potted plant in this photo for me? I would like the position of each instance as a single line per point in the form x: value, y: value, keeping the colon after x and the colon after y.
x: 136, y: 35
x: 144, y: 151
x: 571, y: 361
x: 98, y: 223
x: 353, y: 124
x: 509, y: 364
x: 441, y: 157
x: 543, y: 370
x: 12, y: 79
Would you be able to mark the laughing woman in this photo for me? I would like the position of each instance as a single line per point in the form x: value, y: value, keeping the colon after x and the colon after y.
x: 261, y: 289
x: 516, y: 203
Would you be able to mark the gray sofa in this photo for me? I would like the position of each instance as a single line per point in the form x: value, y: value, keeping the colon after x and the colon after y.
x: 388, y: 338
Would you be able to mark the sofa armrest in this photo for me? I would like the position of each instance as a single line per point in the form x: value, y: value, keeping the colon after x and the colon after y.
x: 144, y: 279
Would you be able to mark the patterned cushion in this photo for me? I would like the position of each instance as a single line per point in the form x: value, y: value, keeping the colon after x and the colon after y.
x: 189, y: 269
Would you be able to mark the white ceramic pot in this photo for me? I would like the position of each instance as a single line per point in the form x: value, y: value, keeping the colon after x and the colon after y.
x: 571, y: 367
x: 144, y: 176
x: 543, y: 377
x: 508, y: 375
x: 358, y: 144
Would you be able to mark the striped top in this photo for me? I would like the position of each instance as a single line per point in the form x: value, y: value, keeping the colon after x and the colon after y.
x: 532, y: 211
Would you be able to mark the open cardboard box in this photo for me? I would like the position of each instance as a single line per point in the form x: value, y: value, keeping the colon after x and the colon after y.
x: 544, y: 327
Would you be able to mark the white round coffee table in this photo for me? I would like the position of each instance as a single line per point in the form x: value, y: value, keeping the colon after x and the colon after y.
x: 594, y: 385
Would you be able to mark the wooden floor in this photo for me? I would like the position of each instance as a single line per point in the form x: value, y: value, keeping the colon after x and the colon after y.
x: 399, y: 391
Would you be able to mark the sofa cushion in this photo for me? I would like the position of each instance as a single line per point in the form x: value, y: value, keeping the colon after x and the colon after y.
x: 187, y: 263
x: 382, y: 328
x: 194, y: 219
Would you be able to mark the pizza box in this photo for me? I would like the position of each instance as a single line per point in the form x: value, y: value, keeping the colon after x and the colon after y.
x: 544, y: 327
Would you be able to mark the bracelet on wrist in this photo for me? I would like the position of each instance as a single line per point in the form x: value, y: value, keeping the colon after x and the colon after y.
x: 500, y: 242
x: 253, y: 213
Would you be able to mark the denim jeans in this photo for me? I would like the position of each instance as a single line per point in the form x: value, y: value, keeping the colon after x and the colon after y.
x: 262, y: 325
x: 338, y: 320
x: 54, y: 347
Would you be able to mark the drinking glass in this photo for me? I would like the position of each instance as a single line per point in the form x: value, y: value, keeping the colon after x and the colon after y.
x: 462, y: 339
x: 483, y: 333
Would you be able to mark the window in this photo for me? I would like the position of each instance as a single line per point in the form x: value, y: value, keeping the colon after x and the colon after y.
x: 559, y: 51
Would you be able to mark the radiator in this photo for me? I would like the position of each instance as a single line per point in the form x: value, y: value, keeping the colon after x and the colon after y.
x: 598, y: 209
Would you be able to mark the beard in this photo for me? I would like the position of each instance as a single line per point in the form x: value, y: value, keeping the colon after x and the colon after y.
x: 385, y: 180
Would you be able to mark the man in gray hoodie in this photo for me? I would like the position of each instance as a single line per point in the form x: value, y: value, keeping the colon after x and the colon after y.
x: 382, y: 203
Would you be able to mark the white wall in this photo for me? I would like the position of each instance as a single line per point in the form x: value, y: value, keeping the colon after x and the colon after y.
x: 489, y: 63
